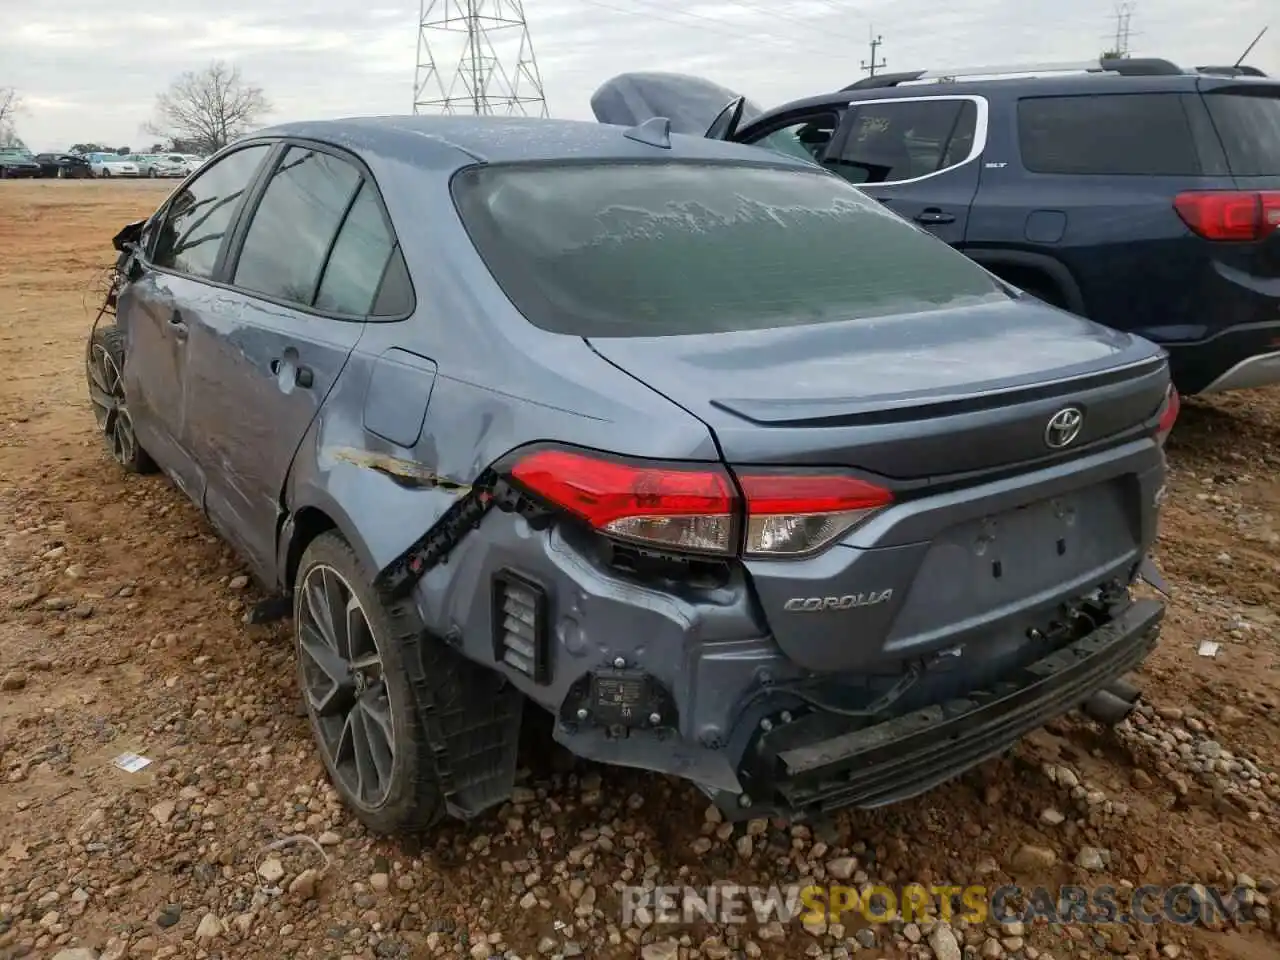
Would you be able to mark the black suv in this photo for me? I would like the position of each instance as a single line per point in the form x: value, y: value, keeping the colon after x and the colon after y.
x: 1134, y: 192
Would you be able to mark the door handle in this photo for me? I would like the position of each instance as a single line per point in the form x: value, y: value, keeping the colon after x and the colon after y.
x: 934, y: 215
x: 302, y: 376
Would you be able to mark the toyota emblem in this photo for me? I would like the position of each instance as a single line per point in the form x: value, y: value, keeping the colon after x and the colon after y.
x: 1063, y: 427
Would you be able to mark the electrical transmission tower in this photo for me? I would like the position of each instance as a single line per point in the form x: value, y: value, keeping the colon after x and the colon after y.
x: 871, y: 67
x: 1124, y: 14
x: 475, y: 56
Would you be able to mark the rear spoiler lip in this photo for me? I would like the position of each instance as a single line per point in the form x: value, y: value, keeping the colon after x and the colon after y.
x: 879, y: 410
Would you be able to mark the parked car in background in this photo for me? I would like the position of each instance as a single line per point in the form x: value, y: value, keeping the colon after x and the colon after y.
x: 158, y: 165
x: 730, y: 471
x: 1133, y: 192
x: 64, y: 166
x: 172, y: 165
x: 190, y: 162
x: 16, y: 162
x: 113, y: 165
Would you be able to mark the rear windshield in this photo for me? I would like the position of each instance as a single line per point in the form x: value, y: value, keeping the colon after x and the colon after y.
x: 1248, y: 123
x: 666, y: 248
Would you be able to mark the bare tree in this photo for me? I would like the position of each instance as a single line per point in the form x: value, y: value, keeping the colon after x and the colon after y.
x: 210, y: 107
x: 10, y: 107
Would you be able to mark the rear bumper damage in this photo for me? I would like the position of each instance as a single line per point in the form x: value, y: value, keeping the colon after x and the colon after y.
x: 789, y: 771
x: 676, y: 670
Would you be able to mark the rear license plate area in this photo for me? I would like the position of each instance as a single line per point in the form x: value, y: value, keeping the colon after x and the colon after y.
x: 1009, y: 556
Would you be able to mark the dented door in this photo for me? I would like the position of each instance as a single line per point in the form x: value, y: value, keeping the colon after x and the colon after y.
x: 267, y: 350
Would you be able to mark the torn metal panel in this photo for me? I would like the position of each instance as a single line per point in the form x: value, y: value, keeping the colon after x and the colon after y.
x: 433, y: 547
x: 406, y: 472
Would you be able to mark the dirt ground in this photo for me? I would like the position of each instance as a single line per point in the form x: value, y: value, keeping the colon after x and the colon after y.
x: 121, y: 631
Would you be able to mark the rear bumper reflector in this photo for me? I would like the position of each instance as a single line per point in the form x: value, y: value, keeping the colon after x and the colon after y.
x: 908, y: 755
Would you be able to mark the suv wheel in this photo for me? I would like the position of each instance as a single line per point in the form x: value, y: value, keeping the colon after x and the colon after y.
x: 363, y: 690
x: 104, y: 367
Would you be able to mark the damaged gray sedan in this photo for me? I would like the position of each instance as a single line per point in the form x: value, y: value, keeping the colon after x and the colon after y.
x: 729, y: 470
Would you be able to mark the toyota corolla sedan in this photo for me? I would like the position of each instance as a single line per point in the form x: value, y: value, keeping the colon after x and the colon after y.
x: 733, y: 473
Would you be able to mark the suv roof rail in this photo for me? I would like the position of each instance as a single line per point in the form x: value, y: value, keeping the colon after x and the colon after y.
x: 1141, y: 66
x: 1125, y: 66
x: 1240, y: 70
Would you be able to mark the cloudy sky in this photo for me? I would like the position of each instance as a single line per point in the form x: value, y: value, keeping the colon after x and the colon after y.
x: 89, y: 71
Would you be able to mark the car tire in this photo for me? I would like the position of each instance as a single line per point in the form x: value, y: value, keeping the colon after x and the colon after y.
x: 104, y: 369
x: 371, y: 725
x: 106, y: 172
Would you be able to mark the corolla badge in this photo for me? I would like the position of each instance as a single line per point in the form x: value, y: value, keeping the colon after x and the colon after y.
x: 847, y: 602
x: 1063, y: 427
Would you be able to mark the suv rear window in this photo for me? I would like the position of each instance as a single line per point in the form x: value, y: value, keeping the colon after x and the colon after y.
x: 667, y: 248
x: 1248, y: 122
x: 1118, y: 134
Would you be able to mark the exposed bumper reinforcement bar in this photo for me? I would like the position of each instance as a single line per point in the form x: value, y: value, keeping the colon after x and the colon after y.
x: 908, y: 755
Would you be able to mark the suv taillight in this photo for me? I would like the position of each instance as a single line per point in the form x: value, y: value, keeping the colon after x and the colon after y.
x: 1169, y: 415
x: 697, y: 507
x: 1230, y: 214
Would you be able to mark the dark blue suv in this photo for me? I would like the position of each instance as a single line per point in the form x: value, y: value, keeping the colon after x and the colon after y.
x: 1134, y: 192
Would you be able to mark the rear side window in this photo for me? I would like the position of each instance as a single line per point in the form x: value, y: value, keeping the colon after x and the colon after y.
x: 667, y: 248
x: 295, y: 224
x: 359, y: 259
x: 196, y: 220
x: 1248, y: 123
x: 1118, y: 134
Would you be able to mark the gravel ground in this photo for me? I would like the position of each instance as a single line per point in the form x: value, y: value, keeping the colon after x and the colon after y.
x: 121, y: 631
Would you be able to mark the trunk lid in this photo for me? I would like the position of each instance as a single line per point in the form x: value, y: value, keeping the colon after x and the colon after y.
x: 909, y: 397
x: 991, y: 532
x: 692, y: 104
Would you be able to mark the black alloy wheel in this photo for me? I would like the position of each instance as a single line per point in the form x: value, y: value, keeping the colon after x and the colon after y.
x: 344, y: 683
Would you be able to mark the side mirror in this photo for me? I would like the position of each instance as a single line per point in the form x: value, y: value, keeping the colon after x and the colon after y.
x: 128, y: 235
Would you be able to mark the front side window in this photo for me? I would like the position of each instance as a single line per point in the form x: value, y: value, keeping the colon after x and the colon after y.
x: 806, y: 139
x: 669, y: 248
x: 295, y: 224
x: 893, y: 141
x: 1118, y: 134
x: 196, y: 220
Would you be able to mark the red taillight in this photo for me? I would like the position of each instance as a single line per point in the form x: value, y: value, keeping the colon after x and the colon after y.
x: 1169, y: 415
x: 1230, y: 214
x: 791, y: 515
x: 696, y: 507
x: 675, y: 506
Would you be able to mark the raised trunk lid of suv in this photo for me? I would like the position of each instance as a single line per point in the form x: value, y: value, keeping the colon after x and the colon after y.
x: 812, y: 330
